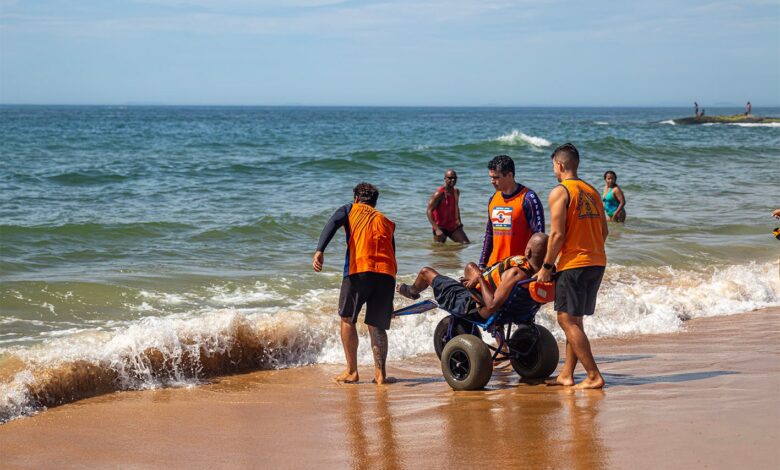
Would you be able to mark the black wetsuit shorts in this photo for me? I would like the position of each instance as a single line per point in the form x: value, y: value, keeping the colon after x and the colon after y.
x: 376, y: 290
x: 576, y: 290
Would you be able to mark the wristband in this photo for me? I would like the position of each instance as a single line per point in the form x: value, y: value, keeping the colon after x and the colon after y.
x: 548, y: 266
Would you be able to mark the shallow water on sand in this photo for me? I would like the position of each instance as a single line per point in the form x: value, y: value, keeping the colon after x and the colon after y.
x: 148, y: 241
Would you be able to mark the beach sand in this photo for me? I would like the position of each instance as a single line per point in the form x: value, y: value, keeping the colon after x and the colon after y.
x: 708, y: 397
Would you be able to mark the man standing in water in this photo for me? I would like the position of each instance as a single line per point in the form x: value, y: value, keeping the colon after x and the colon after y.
x: 444, y: 211
x: 369, y: 277
x: 578, y: 231
x: 514, y: 214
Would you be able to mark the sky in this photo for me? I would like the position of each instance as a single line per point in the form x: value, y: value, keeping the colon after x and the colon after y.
x: 390, y: 53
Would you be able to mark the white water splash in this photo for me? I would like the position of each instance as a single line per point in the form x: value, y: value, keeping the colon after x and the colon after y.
x: 517, y: 137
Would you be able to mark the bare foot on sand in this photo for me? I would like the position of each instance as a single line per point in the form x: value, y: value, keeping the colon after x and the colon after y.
x: 384, y: 381
x: 589, y: 383
x: 565, y: 381
x: 408, y: 291
x: 347, y: 377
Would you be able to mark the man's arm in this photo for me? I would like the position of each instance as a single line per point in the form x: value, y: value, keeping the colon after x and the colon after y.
x: 433, y: 203
x: 559, y: 202
x: 457, y: 207
x: 494, y: 300
x: 534, y: 212
x: 338, y: 219
x: 487, y: 245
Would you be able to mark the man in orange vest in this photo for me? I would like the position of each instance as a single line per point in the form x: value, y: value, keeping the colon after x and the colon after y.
x: 515, y: 213
x: 369, y: 277
x: 444, y: 213
x: 578, y: 231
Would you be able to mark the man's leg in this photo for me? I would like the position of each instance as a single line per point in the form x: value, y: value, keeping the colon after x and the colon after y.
x: 423, y: 281
x: 458, y: 235
x: 566, y: 375
x: 349, y: 340
x: 578, y: 340
x: 379, y: 348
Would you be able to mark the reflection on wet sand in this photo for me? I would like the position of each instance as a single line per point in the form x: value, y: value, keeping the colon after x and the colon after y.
x: 370, y: 435
x: 511, y: 427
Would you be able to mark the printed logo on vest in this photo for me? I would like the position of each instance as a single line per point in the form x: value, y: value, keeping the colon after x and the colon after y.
x: 501, y: 218
x: 586, y: 206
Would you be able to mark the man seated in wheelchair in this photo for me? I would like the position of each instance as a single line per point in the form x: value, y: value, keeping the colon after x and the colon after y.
x: 480, y: 295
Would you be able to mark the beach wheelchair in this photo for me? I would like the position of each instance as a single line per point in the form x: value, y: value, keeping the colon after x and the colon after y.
x: 467, y: 361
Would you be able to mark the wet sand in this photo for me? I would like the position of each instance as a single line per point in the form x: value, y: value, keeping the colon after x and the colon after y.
x: 708, y: 397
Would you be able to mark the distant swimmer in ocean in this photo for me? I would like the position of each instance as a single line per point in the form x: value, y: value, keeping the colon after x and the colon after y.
x: 369, y: 277
x: 578, y: 232
x: 613, y: 197
x: 444, y: 211
x: 515, y: 213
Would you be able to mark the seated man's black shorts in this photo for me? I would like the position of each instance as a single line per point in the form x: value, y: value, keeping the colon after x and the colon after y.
x: 451, y: 295
x: 576, y: 290
x: 373, y: 289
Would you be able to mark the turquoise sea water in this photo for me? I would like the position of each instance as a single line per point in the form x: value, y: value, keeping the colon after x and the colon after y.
x: 129, y: 228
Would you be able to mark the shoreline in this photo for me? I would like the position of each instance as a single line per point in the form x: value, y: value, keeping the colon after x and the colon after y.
x: 707, y: 396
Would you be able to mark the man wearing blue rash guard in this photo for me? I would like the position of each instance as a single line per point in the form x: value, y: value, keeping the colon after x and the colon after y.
x: 515, y: 213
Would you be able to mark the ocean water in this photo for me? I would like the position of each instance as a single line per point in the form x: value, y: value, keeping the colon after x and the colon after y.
x: 159, y: 246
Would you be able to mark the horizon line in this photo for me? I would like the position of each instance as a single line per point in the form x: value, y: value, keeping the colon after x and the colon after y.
x: 297, y: 105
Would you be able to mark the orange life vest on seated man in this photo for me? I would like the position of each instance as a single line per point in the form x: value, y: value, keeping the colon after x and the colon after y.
x: 539, y: 292
x: 369, y: 242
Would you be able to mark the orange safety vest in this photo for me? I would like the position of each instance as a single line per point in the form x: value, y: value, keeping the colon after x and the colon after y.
x: 493, y: 275
x: 370, y: 243
x: 510, y: 228
x: 583, y: 244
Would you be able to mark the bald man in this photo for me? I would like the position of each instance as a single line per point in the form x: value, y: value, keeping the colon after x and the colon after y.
x: 444, y: 212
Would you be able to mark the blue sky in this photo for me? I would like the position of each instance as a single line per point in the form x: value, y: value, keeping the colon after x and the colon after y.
x: 405, y: 52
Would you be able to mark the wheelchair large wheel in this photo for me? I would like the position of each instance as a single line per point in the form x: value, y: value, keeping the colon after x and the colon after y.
x: 466, y: 363
x: 534, y: 352
x: 440, y: 334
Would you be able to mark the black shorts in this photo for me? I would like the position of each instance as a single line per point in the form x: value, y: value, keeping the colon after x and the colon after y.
x: 576, y: 290
x: 447, y: 233
x: 373, y: 289
x: 451, y: 295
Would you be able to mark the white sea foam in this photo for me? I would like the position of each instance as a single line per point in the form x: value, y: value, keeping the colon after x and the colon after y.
x: 755, y: 124
x: 181, y: 349
x: 601, y: 123
x: 517, y: 137
x: 669, y: 122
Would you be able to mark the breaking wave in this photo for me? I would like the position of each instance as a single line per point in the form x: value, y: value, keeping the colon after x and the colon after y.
x: 186, y: 349
x: 516, y: 137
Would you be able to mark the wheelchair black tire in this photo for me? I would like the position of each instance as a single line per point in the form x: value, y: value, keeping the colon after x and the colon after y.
x: 459, y: 328
x: 541, y: 360
x: 466, y: 363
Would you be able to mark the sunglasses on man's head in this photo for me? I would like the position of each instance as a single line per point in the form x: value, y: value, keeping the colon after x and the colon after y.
x: 451, y: 177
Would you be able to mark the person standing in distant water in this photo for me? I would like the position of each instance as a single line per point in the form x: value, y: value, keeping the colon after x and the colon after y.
x: 514, y: 214
x: 748, y: 108
x: 696, y: 109
x: 613, y: 198
x: 369, y: 277
x: 578, y: 232
x: 444, y: 211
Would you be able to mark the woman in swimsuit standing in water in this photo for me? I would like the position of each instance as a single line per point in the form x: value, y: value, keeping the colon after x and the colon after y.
x: 613, y: 197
